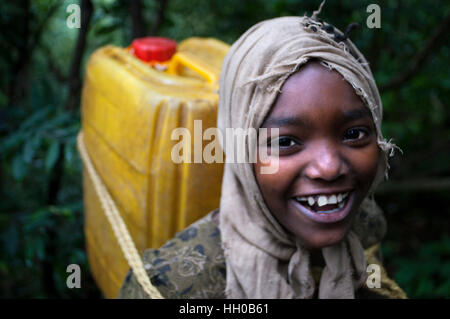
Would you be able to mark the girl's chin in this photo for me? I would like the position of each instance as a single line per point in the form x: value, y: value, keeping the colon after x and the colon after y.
x: 324, y: 242
x: 322, y: 237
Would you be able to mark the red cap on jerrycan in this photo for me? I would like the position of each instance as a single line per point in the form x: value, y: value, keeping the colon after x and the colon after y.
x: 154, y: 48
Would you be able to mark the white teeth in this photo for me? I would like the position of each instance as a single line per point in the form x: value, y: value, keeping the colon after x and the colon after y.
x: 322, y: 201
x: 332, y: 199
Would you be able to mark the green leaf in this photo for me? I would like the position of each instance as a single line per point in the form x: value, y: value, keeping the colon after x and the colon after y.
x: 4, y: 267
x: 36, y: 119
x: 12, y: 141
x: 68, y: 152
x: 29, y: 254
x: 52, y: 155
x: 40, y: 218
x: 12, y: 239
x: 426, y: 288
x: 19, y: 168
x: 39, y: 247
x: 443, y: 291
x: 31, y: 147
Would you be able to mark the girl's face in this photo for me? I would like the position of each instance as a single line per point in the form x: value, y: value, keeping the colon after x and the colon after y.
x: 328, y: 156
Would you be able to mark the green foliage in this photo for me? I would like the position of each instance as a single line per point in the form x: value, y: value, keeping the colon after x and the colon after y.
x: 37, y: 234
x: 41, y: 235
x: 424, y: 274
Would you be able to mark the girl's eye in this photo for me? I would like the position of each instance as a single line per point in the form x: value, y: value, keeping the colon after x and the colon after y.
x: 286, y: 145
x: 285, y: 142
x: 355, y: 134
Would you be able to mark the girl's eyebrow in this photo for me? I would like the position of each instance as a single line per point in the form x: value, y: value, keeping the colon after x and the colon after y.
x: 358, y: 113
x: 349, y: 115
x: 286, y: 121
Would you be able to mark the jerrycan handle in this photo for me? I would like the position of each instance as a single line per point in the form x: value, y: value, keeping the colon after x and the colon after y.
x: 194, y: 63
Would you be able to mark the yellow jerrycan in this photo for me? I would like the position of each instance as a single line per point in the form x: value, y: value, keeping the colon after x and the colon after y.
x: 130, y: 106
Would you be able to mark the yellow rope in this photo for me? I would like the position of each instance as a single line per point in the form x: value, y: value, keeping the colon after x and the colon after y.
x: 119, y: 228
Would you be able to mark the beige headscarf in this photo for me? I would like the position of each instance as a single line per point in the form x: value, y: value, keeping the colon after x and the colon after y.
x: 262, y: 259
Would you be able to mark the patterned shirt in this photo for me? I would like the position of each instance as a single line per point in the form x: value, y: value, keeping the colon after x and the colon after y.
x: 192, y: 266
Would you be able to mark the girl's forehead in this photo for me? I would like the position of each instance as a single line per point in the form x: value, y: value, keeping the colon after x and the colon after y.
x: 315, y: 89
x: 313, y: 75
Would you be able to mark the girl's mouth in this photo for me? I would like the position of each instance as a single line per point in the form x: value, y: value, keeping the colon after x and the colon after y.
x: 325, y: 208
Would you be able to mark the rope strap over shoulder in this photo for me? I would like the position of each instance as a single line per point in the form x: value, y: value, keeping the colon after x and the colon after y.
x: 118, y: 225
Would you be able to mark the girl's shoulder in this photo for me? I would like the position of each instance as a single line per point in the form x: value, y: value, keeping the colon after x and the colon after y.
x: 190, y: 265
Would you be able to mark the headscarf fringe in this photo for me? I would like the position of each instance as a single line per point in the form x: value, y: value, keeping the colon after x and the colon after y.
x: 317, y: 12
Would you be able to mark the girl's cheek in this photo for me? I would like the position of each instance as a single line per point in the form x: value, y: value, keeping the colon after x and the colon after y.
x: 375, y: 158
x: 278, y: 175
x: 268, y: 165
x: 270, y: 175
x: 367, y: 164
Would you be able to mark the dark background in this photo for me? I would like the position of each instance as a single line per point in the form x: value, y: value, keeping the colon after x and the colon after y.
x: 41, y: 71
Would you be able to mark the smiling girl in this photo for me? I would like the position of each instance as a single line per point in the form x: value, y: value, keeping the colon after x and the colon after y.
x: 310, y: 229
x: 328, y: 156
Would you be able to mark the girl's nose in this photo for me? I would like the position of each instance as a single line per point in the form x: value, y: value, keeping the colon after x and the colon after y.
x: 326, y: 164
